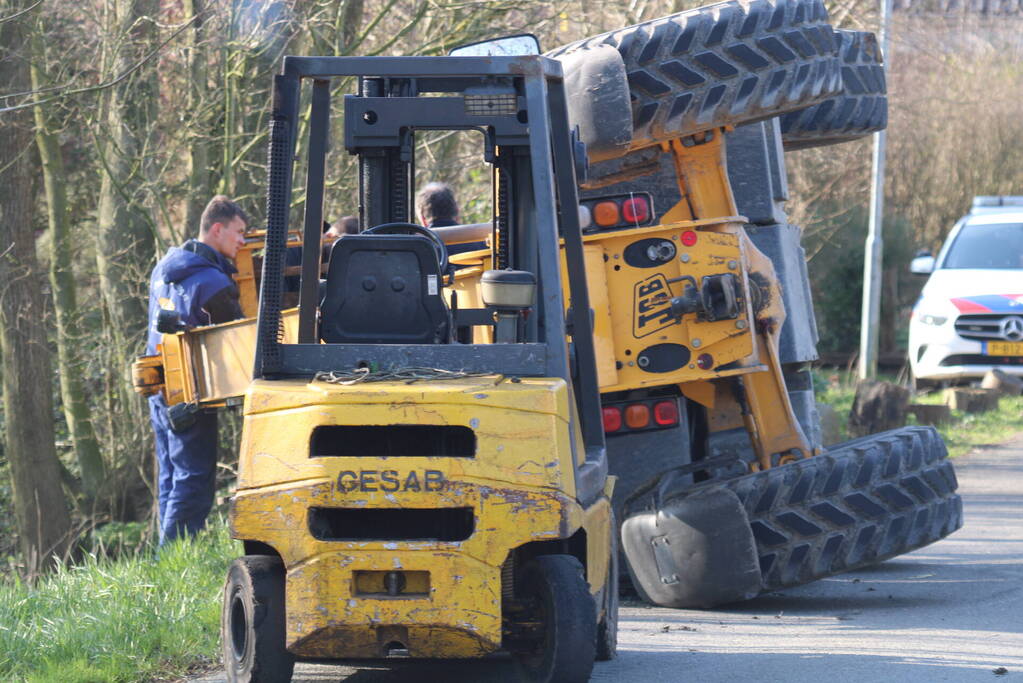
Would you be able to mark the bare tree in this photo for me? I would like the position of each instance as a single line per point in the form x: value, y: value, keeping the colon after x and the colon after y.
x: 62, y: 281
x: 40, y: 507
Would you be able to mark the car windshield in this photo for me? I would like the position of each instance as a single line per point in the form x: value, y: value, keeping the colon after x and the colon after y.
x: 999, y: 245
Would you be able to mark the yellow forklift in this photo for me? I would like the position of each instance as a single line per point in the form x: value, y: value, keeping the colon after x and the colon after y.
x: 420, y: 475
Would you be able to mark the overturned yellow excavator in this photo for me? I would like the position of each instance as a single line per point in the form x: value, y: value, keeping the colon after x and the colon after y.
x: 426, y: 450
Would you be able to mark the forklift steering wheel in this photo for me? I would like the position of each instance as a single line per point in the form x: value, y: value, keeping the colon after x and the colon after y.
x: 413, y: 229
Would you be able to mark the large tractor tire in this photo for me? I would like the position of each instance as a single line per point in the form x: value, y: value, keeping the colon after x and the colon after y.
x: 724, y: 64
x: 860, y: 110
x: 858, y: 504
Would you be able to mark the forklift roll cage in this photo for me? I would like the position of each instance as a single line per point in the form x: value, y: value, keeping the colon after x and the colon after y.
x: 529, y: 142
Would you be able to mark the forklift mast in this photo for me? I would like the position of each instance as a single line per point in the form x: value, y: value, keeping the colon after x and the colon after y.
x: 518, y: 104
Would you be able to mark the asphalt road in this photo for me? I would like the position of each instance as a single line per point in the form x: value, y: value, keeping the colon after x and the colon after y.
x: 950, y: 612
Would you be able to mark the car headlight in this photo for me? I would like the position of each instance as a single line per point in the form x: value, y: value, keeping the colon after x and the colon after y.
x: 928, y: 319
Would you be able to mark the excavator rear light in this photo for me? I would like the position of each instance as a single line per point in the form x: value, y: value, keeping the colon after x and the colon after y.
x: 606, y: 214
x: 612, y: 419
x: 625, y: 417
x: 636, y: 210
x: 632, y: 210
x: 666, y: 413
x: 637, y: 415
x: 689, y: 238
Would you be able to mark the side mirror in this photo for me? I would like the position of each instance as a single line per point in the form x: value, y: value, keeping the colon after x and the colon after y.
x: 922, y: 265
x: 508, y: 46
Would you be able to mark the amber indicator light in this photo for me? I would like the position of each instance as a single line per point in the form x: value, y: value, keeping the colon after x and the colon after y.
x: 606, y: 214
x: 637, y: 415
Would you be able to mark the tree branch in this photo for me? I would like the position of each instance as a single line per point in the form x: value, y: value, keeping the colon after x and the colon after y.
x: 102, y: 86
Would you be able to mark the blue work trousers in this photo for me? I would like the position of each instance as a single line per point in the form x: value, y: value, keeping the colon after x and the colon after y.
x: 188, y: 467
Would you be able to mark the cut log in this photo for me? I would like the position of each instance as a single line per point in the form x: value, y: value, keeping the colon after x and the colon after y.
x: 971, y: 400
x: 1002, y: 382
x: 877, y: 407
x: 928, y: 414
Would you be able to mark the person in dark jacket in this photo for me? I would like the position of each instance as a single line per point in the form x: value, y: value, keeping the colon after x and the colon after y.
x: 437, y: 208
x: 195, y: 281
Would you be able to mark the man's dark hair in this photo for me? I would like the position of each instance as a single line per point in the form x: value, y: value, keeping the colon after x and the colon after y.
x: 436, y: 201
x: 220, y: 210
x: 349, y: 225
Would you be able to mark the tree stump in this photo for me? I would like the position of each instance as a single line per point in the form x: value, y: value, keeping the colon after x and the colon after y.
x: 877, y: 407
x: 1004, y: 383
x: 927, y: 414
x: 971, y: 400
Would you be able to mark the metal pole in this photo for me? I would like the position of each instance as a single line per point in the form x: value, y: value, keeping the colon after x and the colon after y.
x: 872, y: 254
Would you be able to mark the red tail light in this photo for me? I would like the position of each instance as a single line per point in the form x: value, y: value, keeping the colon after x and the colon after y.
x: 612, y: 419
x: 666, y: 413
x: 636, y: 210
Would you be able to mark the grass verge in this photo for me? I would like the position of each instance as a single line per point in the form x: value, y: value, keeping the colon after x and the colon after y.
x: 965, y: 432
x: 140, y: 618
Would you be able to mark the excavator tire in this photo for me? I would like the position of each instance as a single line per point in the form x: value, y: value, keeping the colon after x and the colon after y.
x: 858, y: 504
x: 724, y: 64
x: 860, y: 110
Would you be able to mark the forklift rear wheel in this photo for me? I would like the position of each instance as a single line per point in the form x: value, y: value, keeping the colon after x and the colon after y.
x: 607, y: 625
x: 560, y: 610
x: 860, y: 110
x: 252, y: 622
x: 725, y: 64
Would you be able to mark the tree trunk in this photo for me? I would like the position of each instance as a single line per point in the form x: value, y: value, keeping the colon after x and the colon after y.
x: 62, y: 283
x: 126, y: 242
x: 41, y: 512
x: 126, y: 237
x: 198, y: 148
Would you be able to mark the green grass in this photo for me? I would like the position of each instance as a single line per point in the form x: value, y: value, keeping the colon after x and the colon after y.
x: 138, y: 618
x: 965, y: 432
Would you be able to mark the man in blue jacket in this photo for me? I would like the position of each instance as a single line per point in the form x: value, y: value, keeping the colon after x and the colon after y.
x: 195, y: 281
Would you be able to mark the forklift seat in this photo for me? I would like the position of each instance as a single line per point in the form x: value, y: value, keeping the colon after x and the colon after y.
x: 384, y: 289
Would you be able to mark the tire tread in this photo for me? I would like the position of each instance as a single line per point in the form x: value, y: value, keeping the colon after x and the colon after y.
x: 858, y: 504
x: 724, y: 64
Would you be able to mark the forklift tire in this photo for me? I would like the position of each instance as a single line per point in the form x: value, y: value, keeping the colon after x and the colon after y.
x: 724, y: 64
x: 860, y: 110
x: 859, y: 503
x: 607, y: 623
x: 252, y: 628
x: 560, y: 600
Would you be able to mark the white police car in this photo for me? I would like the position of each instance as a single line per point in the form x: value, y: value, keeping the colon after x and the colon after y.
x: 969, y: 317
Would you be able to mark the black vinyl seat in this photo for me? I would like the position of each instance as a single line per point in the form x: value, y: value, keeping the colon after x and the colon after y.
x: 384, y: 289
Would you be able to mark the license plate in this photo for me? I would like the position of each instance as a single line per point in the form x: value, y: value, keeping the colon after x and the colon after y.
x: 1004, y: 349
